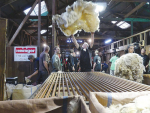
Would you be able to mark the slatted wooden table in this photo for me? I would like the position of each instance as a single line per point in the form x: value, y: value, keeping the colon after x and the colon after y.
x: 81, y: 83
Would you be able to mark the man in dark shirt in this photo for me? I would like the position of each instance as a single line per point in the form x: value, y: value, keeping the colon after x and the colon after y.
x: 85, y: 54
x: 70, y: 61
x: 145, y: 60
x: 36, y: 68
x: 43, y: 64
x: 75, y: 61
x: 97, y: 62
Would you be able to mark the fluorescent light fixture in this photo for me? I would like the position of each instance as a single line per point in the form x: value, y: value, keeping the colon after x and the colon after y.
x: 90, y: 40
x: 35, y: 11
x: 69, y: 41
x: 100, y: 6
x: 50, y: 26
x: 44, y: 45
x: 108, y: 41
x: 43, y: 31
x: 122, y: 24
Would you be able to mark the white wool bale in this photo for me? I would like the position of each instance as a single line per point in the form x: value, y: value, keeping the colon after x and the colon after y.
x: 8, y: 91
x: 23, y: 92
x: 130, y: 66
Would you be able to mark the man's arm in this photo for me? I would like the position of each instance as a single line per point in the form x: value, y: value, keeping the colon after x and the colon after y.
x: 94, y: 66
x: 45, y: 63
x: 30, y: 76
x: 75, y: 41
x: 92, y: 39
x: 55, y: 63
x: 46, y: 66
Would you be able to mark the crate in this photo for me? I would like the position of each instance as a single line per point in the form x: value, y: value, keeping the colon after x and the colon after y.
x: 71, y: 104
x: 100, y: 100
x: 12, y: 80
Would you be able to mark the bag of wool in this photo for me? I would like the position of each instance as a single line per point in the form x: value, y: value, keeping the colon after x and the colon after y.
x: 123, y: 102
x: 81, y: 15
x: 130, y: 66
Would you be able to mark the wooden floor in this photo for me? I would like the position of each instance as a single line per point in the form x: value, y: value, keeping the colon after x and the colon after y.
x: 81, y: 83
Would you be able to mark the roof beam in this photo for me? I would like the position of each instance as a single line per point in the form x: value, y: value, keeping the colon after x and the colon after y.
x: 126, y: 19
x: 131, y: 12
x: 6, y: 2
x: 30, y: 17
x: 126, y: 0
x: 108, y: 29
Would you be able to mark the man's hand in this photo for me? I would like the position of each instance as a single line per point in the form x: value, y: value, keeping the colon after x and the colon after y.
x: 73, y: 68
x: 29, y: 77
x: 146, y: 66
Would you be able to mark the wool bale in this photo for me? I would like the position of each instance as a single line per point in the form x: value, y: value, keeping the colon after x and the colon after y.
x: 130, y: 66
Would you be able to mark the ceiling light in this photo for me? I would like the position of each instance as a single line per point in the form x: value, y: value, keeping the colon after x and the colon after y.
x: 50, y: 26
x: 90, y: 40
x: 43, y: 31
x: 77, y: 53
x: 44, y: 45
x: 108, y: 41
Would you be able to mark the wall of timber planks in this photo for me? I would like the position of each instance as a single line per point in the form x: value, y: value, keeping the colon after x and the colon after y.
x: 17, y: 69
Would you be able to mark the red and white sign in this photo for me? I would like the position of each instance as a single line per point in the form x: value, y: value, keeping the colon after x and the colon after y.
x: 21, y: 53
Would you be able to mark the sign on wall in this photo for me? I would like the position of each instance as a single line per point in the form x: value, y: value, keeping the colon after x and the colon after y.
x: 21, y: 53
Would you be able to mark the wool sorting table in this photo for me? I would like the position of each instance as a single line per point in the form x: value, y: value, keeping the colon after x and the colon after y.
x: 81, y: 83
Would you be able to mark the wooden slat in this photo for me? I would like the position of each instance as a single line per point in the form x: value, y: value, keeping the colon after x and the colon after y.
x: 73, y: 83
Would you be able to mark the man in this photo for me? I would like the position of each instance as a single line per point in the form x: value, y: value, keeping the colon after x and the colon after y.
x: 75, y: 61
x: 70, y: 61
x: 85, y: 54
x: 97, y: 62
x: 36, y: 68
x: 43, y: 64
x: 104, y: 67
x: 113, y: 60
x: 145, y: 60
x: 56, y: 64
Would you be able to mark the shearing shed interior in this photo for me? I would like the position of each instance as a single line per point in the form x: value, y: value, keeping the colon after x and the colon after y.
x: 75, y: 56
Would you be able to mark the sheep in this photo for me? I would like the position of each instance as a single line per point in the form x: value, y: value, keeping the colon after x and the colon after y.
x: 130, y: 66
x: 81, y: 15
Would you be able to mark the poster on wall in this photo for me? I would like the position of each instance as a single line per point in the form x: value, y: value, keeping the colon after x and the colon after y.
x: 21, y: 53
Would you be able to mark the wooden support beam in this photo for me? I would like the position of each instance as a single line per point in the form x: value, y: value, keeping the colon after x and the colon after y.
x: 6, y: 2
x: 21, y: 25
x: 3, y: 28
x: 53, y: 27
x: 131, y: 12
x: 39, y: 27
x: 30, y: 17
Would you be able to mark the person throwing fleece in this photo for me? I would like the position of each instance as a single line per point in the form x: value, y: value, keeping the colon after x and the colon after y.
x: 85, y: 53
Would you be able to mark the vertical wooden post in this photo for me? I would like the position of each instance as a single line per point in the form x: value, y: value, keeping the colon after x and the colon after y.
x: 39, y: 28
x: 53, y: 28
x: 145, y: 39
x: 3, y: 28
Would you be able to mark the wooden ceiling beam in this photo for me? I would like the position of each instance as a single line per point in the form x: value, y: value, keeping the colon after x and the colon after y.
x: 131, y: 12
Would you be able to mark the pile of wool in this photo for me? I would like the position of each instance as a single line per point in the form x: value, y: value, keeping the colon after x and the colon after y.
x: 140, y: 104
x: 81, y: 15
x: 130, y: 66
